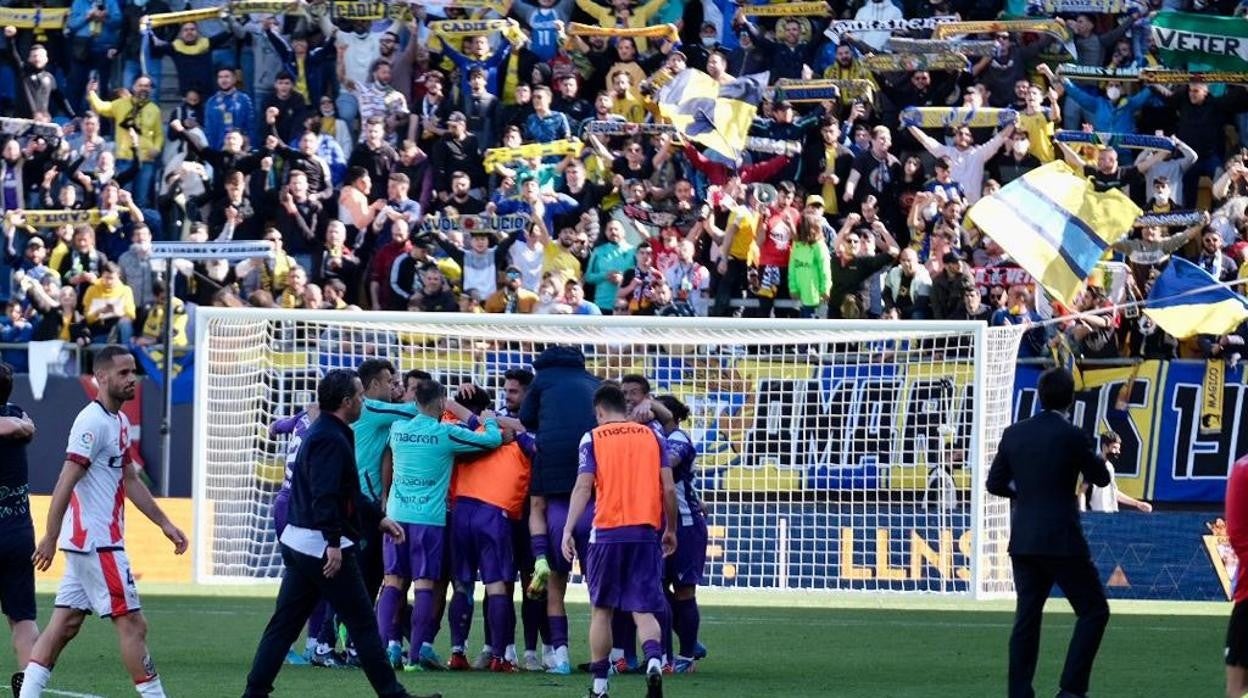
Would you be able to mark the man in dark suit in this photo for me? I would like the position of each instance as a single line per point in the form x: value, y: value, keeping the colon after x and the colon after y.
x: 1038, y: 463
x: 327, y: 515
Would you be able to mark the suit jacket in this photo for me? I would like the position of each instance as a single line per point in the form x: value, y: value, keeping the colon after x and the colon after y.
x: 1037, y: 466
x: 325, y: 491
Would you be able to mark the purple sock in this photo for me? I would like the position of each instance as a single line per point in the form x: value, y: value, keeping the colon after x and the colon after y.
x: 435, y: 619
x: 460, y: 609
x: 685, y: 621
x: 624, y: 635
x: 558, y: 631
x: 533, y: 613
x: 388, y: 613
x: 538, y: 545
x: 600, y: 668
x: 317, y: 618
x: 653, y: 649
x: 422, y: 614
x: 544, y: 628
x: 665, y: 630
x: 496, y: 608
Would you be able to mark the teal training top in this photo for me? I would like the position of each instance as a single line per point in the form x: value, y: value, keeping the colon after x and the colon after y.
x: 424, y: 451
x: 372, y: 432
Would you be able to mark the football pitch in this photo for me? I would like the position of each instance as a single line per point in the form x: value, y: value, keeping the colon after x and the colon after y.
x: 772, y: 645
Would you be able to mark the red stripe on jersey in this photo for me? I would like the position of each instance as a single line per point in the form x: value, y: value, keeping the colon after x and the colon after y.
x: 79, y: 537
x: 119, y: 509
x: 112, y: 579
x: 80, y: 460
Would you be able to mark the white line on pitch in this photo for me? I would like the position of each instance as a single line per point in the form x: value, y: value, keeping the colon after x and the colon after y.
x: 70, y: 694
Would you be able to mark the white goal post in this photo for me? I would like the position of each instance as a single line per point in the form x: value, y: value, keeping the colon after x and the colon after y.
x: 833, y: 455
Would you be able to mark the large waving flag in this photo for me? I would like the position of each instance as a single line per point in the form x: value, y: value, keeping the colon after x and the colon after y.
x: 1186, y: 301
x: 1055, y: 225
x: 716, y: 116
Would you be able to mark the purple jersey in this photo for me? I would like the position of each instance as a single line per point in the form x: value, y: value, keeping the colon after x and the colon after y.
x: 681, y: 455
x: 296, y: 426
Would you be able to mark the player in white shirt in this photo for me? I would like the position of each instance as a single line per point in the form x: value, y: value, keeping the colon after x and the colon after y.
x: 86, y: 519
x: 1107, y: 499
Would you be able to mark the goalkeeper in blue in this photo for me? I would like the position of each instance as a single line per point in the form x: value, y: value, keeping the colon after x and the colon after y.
x: 423, y: 451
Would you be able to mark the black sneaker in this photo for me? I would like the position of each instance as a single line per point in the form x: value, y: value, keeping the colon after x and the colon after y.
x: 15, y: 682
x: 654, y: 681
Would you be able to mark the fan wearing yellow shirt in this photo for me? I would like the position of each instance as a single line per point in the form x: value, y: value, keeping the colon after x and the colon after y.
x: 109, y: 305
x: 739, y: 246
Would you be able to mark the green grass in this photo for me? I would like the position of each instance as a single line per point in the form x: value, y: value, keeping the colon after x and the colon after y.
x: 820, y: 646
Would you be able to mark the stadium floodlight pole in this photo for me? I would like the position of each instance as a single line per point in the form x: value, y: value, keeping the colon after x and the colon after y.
x: 170, y: 251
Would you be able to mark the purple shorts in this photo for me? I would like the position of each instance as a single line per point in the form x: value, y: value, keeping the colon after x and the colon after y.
x: 280, y: 511
x: 556, y: 519
x: 481, y: 541
x: 419, y: 556
x: 626, y: 577
x: 685, y: 566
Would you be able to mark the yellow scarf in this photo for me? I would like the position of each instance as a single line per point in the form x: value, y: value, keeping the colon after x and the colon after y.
x: 199, y: 48
x: 301, y: 79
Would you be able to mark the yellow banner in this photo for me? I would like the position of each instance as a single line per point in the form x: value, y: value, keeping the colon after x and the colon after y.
x: 1212, y: 390
x: 52, y: 219
x: 788, y: 9
x: 1051, y: 27
x: 265, y: 7
x: 34, y: 18
x: 497, y: 156
x: 167, y: 18
x: 661, y: 30
x: 151, y: 554
x: 344, y: 9
x: 469, y: 27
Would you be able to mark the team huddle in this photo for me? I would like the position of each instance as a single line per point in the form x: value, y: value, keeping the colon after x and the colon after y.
x: 447, y: 491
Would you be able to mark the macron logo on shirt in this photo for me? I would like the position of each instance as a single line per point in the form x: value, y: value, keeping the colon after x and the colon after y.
x: 424, y: 439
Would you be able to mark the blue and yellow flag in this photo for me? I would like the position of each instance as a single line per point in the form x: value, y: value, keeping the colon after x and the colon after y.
x: 1054, y: 225
x: 713, y: 115
x: 1186, y: 301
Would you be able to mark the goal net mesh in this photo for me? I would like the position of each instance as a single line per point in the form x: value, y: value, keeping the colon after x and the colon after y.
x: 834, y: 456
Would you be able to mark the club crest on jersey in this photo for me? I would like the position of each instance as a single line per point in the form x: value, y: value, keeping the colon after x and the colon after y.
x: 87, y: 438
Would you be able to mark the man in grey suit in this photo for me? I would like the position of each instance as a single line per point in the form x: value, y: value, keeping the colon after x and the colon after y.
x: 1038, y: 463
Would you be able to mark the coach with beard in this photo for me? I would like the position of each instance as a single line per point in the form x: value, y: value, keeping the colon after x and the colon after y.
x: 327, y: 515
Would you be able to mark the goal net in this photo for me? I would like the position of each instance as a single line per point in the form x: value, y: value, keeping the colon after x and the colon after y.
x: 832, y: 455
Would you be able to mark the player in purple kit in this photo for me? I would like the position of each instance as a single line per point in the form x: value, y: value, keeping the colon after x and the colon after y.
x: 683, y: 570
x: 296, y: 426
x: 516, y: 384
x: 489, y: 497
x: 623, y: 465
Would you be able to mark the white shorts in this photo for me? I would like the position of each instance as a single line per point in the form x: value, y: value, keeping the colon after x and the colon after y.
x: 98, y: 582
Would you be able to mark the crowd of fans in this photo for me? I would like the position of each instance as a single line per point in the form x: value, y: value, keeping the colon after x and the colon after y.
x: 349, y: 146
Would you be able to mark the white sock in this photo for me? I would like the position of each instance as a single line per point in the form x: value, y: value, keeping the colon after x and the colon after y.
x: 509, y: 654
x: 424, y: 645
x: 530, y: 654
x: 150, y: 688
x: 561, y: 654
x: 600, y: 686
x: 547, y: 650
x: 654, y: 664
x: 487, y: 649
x: 309, y: 645
x: 457, y: 649
x: 616, y: 653
x: 34, y: 679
